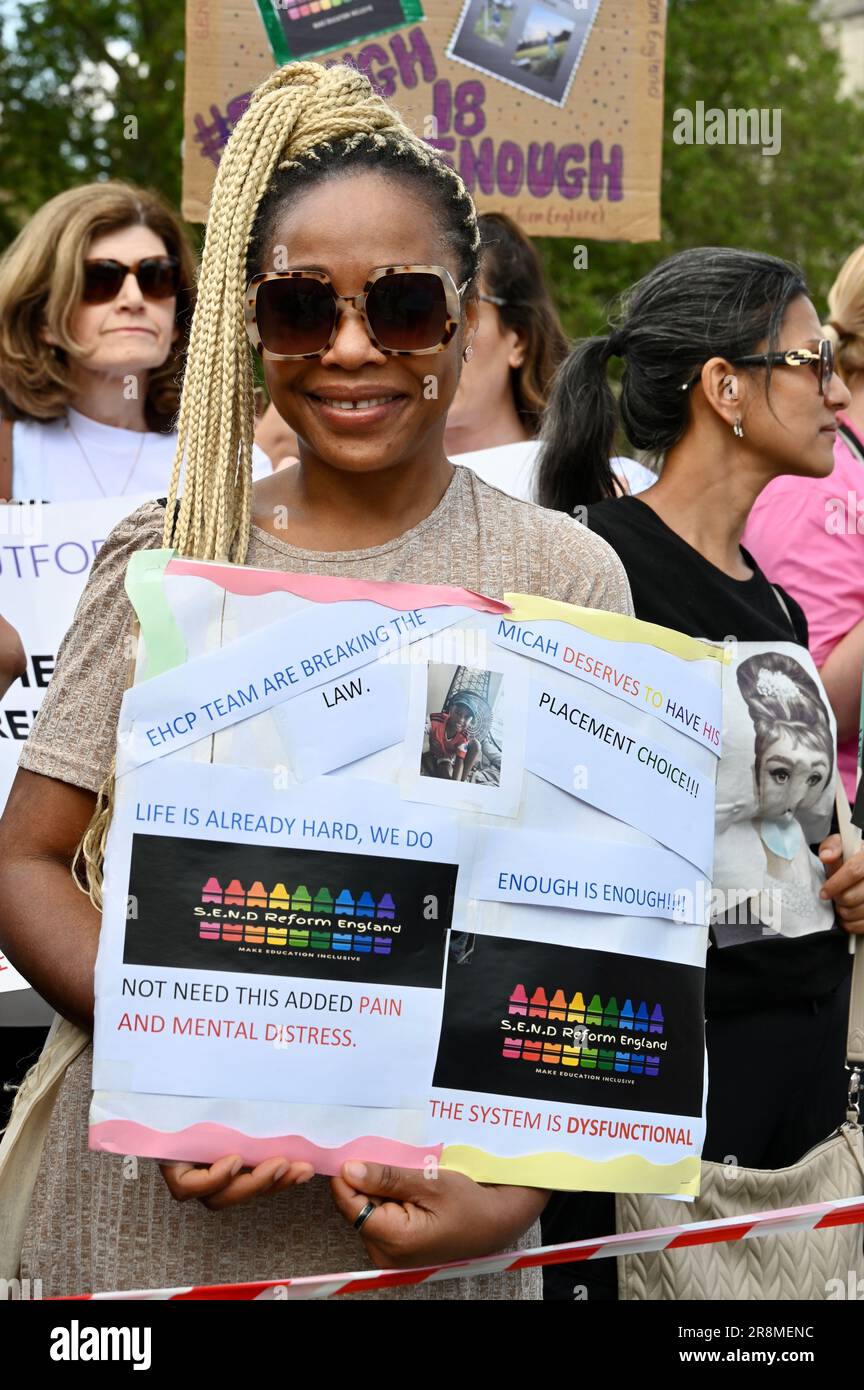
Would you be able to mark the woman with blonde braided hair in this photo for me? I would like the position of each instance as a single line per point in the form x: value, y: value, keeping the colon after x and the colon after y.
x: 346, y: 251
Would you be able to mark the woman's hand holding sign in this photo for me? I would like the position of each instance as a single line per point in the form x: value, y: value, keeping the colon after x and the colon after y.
x: 226, y: 1184
x: 425, y: 1218
x: 844, y: 883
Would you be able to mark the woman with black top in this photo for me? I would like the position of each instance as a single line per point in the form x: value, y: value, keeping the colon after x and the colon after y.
x: 728, y: 381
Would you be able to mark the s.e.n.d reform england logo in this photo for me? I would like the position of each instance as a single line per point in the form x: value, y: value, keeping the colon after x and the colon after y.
x: 264, y: 910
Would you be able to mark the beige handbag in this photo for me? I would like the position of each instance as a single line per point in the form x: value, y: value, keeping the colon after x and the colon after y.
x: 806, y: 1265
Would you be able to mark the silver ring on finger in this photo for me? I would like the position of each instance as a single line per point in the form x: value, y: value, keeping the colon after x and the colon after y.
x: 363, y: 1216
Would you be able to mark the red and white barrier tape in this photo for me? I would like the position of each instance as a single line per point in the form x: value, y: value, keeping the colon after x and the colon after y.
x: 845, y: 1211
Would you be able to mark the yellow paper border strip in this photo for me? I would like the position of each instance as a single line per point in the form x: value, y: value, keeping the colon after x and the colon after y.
x: 527, y: 608
x: 567, y: 1172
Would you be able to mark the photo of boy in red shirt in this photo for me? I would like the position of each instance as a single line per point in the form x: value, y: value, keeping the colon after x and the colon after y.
x: 453, y: 753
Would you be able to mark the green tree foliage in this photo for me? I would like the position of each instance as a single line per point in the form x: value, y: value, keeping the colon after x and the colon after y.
x: 73, y: 71
x: 72, y: 74
x: 806, y: 203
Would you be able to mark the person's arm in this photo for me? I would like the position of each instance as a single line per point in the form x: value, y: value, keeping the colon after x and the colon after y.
x: 49, y: 929
x: 13, y: 662
x: 841, y: 676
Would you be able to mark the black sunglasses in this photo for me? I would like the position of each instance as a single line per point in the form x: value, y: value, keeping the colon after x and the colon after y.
x: 158, y: 278
x: 821, y: 362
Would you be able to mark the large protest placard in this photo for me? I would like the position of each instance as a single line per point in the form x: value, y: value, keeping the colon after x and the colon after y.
x: 403, y: 873
x: 551, y: 110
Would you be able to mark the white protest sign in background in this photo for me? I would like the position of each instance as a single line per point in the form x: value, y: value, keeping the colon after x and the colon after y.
x: 46, y: 550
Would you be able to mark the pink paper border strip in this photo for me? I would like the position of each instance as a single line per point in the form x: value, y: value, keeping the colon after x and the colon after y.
x: 325, y: 588
x: 198, y: 1143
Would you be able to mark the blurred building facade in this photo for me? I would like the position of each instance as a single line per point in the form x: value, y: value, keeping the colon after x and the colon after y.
x: 846, y: 21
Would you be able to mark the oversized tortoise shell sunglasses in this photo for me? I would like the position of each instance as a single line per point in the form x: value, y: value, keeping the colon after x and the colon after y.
x: 408, y: 310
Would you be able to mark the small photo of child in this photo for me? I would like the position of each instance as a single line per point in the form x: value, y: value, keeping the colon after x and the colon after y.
x: 494, y: 20
x: 462, y: 737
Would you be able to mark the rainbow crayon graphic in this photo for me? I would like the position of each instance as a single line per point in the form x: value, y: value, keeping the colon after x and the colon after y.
x: 641, y: 1024
x: 211, y: 892
x: 257, y: 895
x: 512, y: 1048
x: 323, y: 901
x: 589, y: 1058
x: 518, y: 1001
x: 232, y: 931
x: 280, y: 898
x: 605, y: 1060
x: 341, y: 941
x: 610, y: 1013
x: 276, y: 935
x: 253, y: 933
x: 363, y: 944
x: 622, y: 1061
x: 234, y: 894
x: 539, y: 1003
x: 365, y: 905
x: 637, y: 1064
x: 552, y: 1052
x: 382, y: 945
x: 208, y: 931
x: 387, y: 908
x: 345, y: 903
x: 656, y: 1020
x: 300, y: 899
x: 320, y: 941
x: 558, y: 1005
x: 531, y: 1050
x: 652, y: 1066
x: 627, y: 1017
x: 298, y: 938
x: 594, y: 1012
x: 576, y: 1009
x: 570, y: 1055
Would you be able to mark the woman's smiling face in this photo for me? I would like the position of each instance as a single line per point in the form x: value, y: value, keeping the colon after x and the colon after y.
x: 348, y: 226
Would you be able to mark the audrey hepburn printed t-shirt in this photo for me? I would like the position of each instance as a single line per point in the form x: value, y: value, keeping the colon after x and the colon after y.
x: 674, y: 585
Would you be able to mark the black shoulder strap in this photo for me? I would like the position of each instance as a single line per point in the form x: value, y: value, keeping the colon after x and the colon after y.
x: 781, y: 599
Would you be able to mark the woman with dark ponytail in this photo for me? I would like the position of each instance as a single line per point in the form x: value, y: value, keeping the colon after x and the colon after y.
x: 729, y: 381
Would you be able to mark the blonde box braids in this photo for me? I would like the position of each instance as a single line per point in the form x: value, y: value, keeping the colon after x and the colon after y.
x: 299, y: 112
x: 300, y: 109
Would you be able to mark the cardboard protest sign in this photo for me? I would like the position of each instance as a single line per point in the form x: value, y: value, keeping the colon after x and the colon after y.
x: 434, y: 937
x: 551, y: 110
